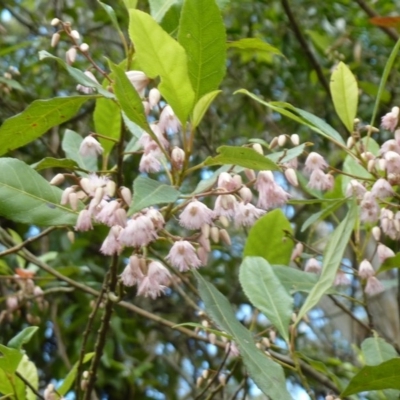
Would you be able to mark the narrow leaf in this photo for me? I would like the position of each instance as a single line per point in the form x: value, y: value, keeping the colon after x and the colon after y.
x: 128, y: 98
x: 37, y: 119
x: 158, y: 54
x: 27, y: 197
x: 267, y: 374
x: 267, y: 238
x: 254, y: 45
x: 344, y: 91
x: 22, y: 337
x: 242, y: 156
x: 202, y: 35
x: 377, y: 377
x: 202, y: 106
x: 148, y: 192
x: 266, y: 292
x: 331, y: 260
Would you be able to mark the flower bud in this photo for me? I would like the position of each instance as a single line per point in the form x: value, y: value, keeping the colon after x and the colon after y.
x: 224, y: 221
x: 281, y: 140
x: 154, y: 97
x: 110, y: 188
x: 146, y: 107
x: 205, y: 323
x: 350, y: 142
x: 224, y: 236
x: 291, y: 176
x: 371, y: 165
x: 295, y: 138
x: 250, y: 174
x: 71, y: 236
x: 246, y: 194
x: 70, y: 55
x: 54, y: 22
x: 73, y: 200
x: 84, y: 47
x: 266, y: 342
x: 57, y: 180
x: 203, y: 255
x: 274, y: 143
x: 126, y: 195
x: 237, y: 179
x: 205, y: 230
x: 55, y: 39
x: 365, y: 270
x: 75, y: 34
x: 297, y: 251
x: 212, y: 338
x: 384, y: 252
x: 199, y: 381
x: 258, y: 148
x: 205, y: 373
x: 98, y: 196
x: 376, y: 233
x: 177, y: 157
x: 214, y: 233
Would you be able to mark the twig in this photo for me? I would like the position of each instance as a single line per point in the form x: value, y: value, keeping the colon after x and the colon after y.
x: 27, y: 383
x: 60, y: 344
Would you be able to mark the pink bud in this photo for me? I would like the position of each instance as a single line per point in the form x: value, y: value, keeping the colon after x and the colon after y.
x: 57, y: 180
x: 70, y: 55
x: 291, y: 176
x: 55, y: 39
x: 177, y: 157
x: 365, y: 270
x: 154, y: 97
x: 126, y: 195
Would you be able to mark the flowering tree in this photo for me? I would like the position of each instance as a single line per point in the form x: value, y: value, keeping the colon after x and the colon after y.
x: 129, y: 252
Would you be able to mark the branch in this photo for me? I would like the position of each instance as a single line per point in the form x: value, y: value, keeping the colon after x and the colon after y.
x: 27, y: 383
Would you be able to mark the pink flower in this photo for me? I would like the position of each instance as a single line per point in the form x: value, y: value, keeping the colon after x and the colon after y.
x: 313, y: 266
x: 389, y: 224
x: 154, y: 284
x: 227, y: 182
x: 183, y: 256
x: 107, y: 214
x: 111, y: 245
x: 133, y: 274
x: 390, y: 145
x: 320, y: 181
x: 155, y: 216
x: 382, y: 188
x: 391, y: 119
x: 369, y: 208
x: 384, y: 252
x: 225, y: 205
x: 93, y: 182
x: 373, y: 286
x: 154, y: 97
x: 90, y: 147
x: 392, y: 162
x: 314, y: 162
x: 149, y: 144
x: 139, y: 81
x: 341, y: 279
x: 365, y: 270
x: 297, y: 251
x: 150, y: 162
x: 168, y: 120
x: 195, y: 215
x: 271, y: 195
x: 355, y: 188
x: 139, y: 232
x: 247, y: 214
x: 84, y: 222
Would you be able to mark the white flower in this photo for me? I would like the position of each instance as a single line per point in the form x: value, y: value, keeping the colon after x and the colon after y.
x: 195, y: 215
x: 90, y: 147
x: 183, y: 256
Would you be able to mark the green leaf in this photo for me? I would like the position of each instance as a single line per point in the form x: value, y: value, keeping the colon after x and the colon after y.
x: 254, y: 45
x: 371, y: 90
x: 27, y: 197
x: 9, y: 359
x: 22, y: 337
x: 70, y: 144
x: 321, y: 215
x: 266, y: 292
x: 331, y: 260
x: 128, y: 98
x: 50, y: 162
x: 376, y: 351
x: 148, y: 192
x: 37, y: 119
x: 158, y: 8
x: 70, y: 378
x: 243, y: 156
x: 13, y: 84
x: 287, y: 155
x: 77, y: 74
x: 315, y: 123
x: 158, y: 54
x: 390, y: 263
x: 202, y: 35
x: 385, y: 76
x: 130, y: 4
x: 206, y: 184
x: 28, y: 370
x: 344, y: 91
x: 111, y: 14
x: 267, y: 238
x: 107, y: 122
x: 377, y: 377
x: 267, y: 374
x: 202, y: 106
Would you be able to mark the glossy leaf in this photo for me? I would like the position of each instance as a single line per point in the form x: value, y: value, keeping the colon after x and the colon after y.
x: 70, y: 378
x: 377, y: 377
x: 107, y: 122
x: 243, y: 156
x: 344, y: 91
x: 376, y: 350
x: 148, y: 192
x: 37, y: 119
x: 254, y: 45
x: 267, y: 374
x: 267, y: 238
x: 70, y: 144
x: 28, y: 370
x: 77, y: 75
x: 202, y: 35
x: 128, y: 98
x: 302, y: 117
x: 22, y: 337
x: 27, y: 197
x: 9, y: 359
x: 266, y: 292
x: 202, y: 106
x: 158, y: 8
x: 50, y: 162
x: 158, y: 54
x: 331, y: 261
